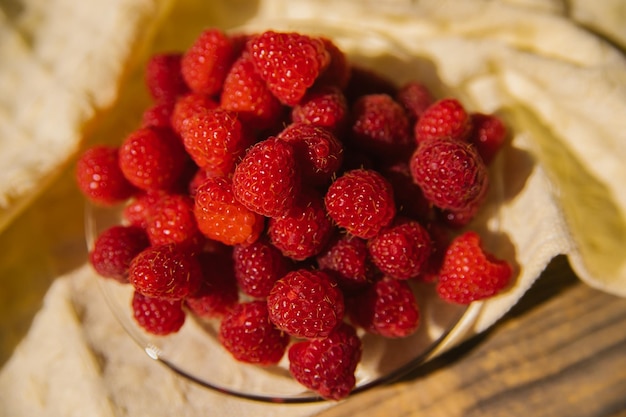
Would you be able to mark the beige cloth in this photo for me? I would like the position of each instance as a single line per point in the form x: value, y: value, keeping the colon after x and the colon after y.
x: 561, y: 89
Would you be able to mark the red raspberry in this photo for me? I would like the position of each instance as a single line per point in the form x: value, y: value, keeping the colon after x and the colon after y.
x: 445, y: 118
x: 163, y: 77
x: 488, y: 135
x: 221, y: 217
x: 258, y: 266
x: 246, y: 93
x: 188, y: 106
x: 349, y: 258
x: 218, y: 292
x: 470, y: 273
x: 141, y: 208
x: 207, y: 61
x: 338, y: 71
x: 361, y: 201
x: 304, y: 231
x: 166, y: 271
x: 380, y: 126
x: 306, y: 303
x: 156, y: 315
x: 450, y: 173
x: 460, y: 218
x: 99, y: 177
x: 172, y: 221
x: 325, y: 107
x: 318, y: 152
x: 115, y: 248
x: 327, y: 366
x: 247, y: 333
x: 158, y: 115
x: 152, y: 158
x: 409, y: 198
x: 289, y: 62
x: 267, y: 180
x: 402, y: 249
x: 215, y: 140
x: 364, y: 81
x: 415, y: 97
x: 388, y: 308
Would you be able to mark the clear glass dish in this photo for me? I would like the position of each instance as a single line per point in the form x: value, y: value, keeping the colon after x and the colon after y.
x: 195, y: 353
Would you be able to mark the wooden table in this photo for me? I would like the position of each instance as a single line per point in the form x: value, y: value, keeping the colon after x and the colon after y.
x: 560, y: 352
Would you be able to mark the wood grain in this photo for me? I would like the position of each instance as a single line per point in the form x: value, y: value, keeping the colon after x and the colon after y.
x: 560, y: 352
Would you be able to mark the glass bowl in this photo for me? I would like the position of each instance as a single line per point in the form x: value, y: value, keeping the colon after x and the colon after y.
x: 195, y: 353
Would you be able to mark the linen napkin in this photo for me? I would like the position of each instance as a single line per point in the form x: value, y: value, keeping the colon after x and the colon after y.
x: 560, y: 88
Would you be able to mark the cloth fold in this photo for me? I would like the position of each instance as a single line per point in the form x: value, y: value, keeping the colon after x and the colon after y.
x: 560, y: 88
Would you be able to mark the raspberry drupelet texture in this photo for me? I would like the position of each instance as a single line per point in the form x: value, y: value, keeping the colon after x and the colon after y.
x: 115, y: 248
x: 488, y: 135
x: 402, y: 249
x: 248, y: 334
x: 304, y: 230
x: 327, y: 365
x: 207, y: 61
x: 289, y: 62
x: 361, y: 201
x: 325, y: 106
x: 267, y: 180
x: 470, y: 273
x: 318, y: 152
x: 348, y: 257
x: 163, y: 77
x: 159, y: 114
x: 172, y: 221
x: 187, y: 106
x: 415, y: 97
x: 166, y: 271
x: 258, y: 266
x: 245, y: 93
x: 215, y: 139
x: 99, y: 177
x: 156, y: 315
x: 450, y: 173
x: 306, y: 303
x: 445, y: 118
x: 221, y: 217
x: 153, y: 159
x: 388, y: 308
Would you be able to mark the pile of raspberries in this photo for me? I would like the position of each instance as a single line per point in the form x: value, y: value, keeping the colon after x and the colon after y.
x: 293, y: 197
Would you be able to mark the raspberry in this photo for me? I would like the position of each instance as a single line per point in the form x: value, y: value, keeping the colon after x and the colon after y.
x: 221, y: 217
x: 388, y: 308
x: 266, y: 180
x: 156, y: 315
x: 115, y: 248
x: 188, y: 106
x: 215, y: 139
x: 163, y: 77
x: 318, y: 152
x: 445, y: 118
x: 325, y: 107
x: 246, y: 93
x: 349, y: 258
x: 415, y: 97
x: 488, y: 134
x: 258, y: 266
x: 327, y: 366
x: 380, y: 126
x: 247, y: 333
x: 361, y: 201
x: 207, y: 61
x: 158, y: 115
x: 141, y: 208
x: 470, y: 273
x: 218, y: 292
x: 401, y: 250
x: 450, y: 173
x: 152, y: 158
x: 289, y: 62
x: 304, y: 231
x: 306, y: 303
x: 99, y: 177
x: 172, y: 221
x: 338, y: 71
x: 166, y: 271
x: 409, y: 198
